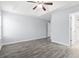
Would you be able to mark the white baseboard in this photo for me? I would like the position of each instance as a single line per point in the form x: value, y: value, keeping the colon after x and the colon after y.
x: 23, y: 40
x: 60, y: 43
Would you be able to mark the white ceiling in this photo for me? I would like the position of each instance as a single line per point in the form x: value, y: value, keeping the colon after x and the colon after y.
x: 25, y: 8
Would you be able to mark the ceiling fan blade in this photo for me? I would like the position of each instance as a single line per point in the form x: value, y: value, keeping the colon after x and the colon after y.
x: 34, y: 7
x: 31, y: 1
x: 49, y: 3
x: 43, y: 8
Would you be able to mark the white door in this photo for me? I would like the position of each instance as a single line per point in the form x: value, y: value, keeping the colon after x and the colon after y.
x: 73, y: 28
x: 77, y: 28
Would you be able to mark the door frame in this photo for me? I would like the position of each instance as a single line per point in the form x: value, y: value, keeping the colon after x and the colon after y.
x: 70, y: 27
x: 70, y: 30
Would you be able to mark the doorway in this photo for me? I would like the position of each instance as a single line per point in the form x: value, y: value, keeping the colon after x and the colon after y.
x: 74, y: 29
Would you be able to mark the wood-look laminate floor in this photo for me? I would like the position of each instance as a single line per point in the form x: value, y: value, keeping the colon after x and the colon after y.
x: 41, y: 48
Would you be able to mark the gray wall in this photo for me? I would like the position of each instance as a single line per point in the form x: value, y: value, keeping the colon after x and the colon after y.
x: 22, y: 28
x: 0, y: 29
x: 49, y: 28
x: 60, y: 25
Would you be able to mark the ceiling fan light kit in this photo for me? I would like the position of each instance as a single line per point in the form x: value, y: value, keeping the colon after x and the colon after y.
x: 40, y: 4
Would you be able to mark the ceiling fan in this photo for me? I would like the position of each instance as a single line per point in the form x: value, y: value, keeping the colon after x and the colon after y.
x: 40, y: 3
